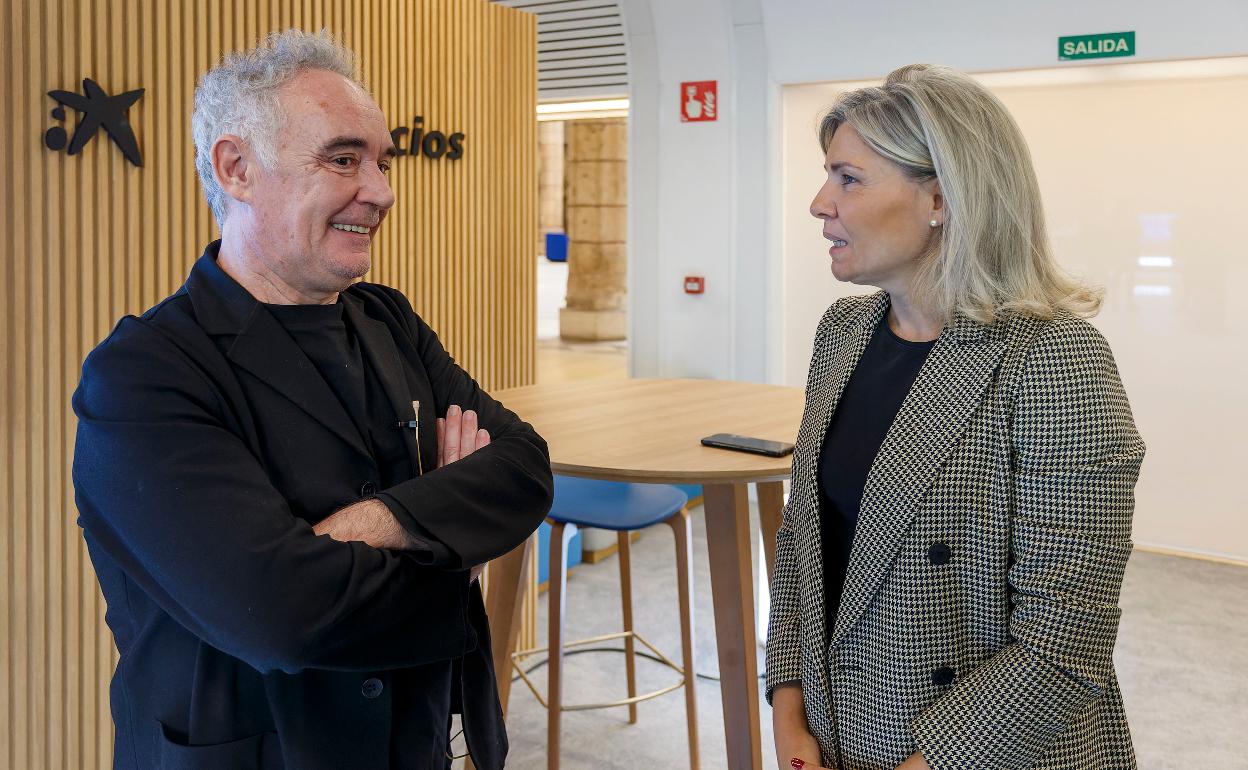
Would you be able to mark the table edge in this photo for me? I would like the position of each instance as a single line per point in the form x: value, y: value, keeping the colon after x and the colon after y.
x: 669, y: 477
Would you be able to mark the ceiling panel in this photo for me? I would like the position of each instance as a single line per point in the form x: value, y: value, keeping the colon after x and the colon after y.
x: 581, y: 51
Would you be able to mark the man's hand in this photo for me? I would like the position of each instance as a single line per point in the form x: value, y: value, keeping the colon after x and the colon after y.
x: 371, y: 522
x: 368, y: 521
x: 915, y: 762
x: 458, y: 435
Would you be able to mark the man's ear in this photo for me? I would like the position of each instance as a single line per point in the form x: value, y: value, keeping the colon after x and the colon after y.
x: 234, y: 169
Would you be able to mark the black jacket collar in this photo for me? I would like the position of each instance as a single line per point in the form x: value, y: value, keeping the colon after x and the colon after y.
x: 222, y: 305
x: 261, y: 346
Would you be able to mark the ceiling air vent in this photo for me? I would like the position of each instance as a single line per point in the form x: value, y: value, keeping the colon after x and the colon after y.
x: 580, y: 48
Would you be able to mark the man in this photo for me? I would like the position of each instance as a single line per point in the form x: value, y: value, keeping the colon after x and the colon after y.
x: 285, y: 483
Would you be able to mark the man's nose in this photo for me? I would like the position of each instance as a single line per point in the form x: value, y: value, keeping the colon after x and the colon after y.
x: 376, y: 190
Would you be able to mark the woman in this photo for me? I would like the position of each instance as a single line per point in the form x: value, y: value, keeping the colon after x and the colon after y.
x: 948, y: 567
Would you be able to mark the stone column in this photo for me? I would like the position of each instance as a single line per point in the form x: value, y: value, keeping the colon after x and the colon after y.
x: 550, y: 180
x: 596, y: 214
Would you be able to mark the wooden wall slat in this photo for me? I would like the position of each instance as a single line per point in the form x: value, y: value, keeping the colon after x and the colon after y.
x: 90, y: 238
x: 36, y: 640
x: 8, y: 655
x: 19, y: 424
x: 58, y: 548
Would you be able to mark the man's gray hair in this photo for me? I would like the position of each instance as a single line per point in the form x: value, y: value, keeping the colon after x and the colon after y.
x: 239, y: 96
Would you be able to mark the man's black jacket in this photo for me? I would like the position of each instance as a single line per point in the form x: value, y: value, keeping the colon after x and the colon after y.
x: 208, y: 445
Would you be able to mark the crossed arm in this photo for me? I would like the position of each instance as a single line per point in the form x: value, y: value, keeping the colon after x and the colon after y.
x: 372, y: 522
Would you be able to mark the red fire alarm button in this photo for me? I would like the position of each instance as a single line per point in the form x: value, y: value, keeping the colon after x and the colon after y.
x: 698, y: 101
x: 694, y: 284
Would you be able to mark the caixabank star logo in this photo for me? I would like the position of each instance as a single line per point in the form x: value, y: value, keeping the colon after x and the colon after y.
x: 96, y: 109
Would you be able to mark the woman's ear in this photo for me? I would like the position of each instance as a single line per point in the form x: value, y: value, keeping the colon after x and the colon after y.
x: 938, y: 202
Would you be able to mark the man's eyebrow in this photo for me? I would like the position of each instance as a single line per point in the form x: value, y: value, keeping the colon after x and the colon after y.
x: 344, y: 143
x: 356, y: 143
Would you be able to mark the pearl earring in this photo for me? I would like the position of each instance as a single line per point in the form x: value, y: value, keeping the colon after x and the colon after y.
x: 934, y: 223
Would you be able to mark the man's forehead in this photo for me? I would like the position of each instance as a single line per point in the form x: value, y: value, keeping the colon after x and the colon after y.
x: 322, y: 91
x: 330, y: 106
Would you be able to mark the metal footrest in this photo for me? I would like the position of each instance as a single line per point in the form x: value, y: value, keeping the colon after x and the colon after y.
x: 518, y: 655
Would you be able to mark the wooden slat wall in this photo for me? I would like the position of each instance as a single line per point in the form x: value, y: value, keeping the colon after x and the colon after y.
x: 89, y: 238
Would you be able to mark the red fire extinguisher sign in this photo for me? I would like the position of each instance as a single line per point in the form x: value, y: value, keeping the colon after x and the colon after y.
x: 698, y: 101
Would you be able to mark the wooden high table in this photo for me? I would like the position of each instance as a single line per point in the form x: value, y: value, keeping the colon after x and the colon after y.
x: 649, y: 431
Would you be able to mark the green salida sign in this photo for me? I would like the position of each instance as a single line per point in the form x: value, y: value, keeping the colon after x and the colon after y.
x: 1102, y: 46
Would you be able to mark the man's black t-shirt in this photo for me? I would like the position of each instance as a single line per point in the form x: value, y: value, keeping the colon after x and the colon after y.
x: 321, y: 333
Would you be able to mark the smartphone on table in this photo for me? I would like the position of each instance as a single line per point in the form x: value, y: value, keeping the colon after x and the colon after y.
x: 760, y: 446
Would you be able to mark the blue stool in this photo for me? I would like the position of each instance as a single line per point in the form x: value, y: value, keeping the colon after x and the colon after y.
x: 623, y: 508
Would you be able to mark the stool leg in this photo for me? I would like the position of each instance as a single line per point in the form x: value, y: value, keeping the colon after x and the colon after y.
x: 682, y: 530
x: 509, y: 580
x: 626, y: 601
x: 560, y: 535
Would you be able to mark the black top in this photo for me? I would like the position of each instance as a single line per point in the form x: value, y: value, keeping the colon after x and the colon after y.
x: 321, y: 333
x: 325, y: 336
x: 873, y: 395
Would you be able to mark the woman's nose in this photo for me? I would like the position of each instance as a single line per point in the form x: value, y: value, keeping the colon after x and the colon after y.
x: 823, y: 207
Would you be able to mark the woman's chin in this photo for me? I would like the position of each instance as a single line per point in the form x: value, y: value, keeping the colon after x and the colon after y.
x: 842, y: 273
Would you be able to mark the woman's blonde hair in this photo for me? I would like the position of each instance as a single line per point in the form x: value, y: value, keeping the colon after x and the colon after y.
x: 993, y: 254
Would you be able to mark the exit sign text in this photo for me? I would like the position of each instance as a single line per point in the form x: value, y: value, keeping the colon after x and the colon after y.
x: 1100, y: 46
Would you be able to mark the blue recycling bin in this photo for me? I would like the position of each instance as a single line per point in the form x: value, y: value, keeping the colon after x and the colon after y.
x: 557, y: 247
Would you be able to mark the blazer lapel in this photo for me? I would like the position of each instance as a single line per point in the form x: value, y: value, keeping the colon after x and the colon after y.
x: 260, y: 345
x: 387, y: 364
x: 845, y: 348
x: 930, y: 423
x: 266, y: 350
x: 831, y: 367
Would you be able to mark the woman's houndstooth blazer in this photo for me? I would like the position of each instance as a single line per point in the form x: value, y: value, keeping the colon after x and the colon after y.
x: 979, y: 612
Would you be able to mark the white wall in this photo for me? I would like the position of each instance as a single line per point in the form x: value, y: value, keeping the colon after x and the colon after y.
x: 709, y: 198
x: 699, y: 193
x: 705, y: 197
x: 820, y: 40
x: 1129, y: 167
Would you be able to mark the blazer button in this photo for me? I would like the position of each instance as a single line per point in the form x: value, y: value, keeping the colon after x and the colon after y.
x: 943, y: 676
x: 371, y: 688
x: 368, y: 489
x: 939, y: 554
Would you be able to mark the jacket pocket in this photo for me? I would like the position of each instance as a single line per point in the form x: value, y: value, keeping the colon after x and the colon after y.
x: 255, y: 752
